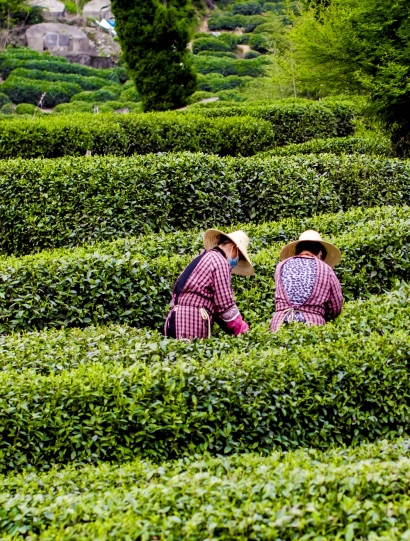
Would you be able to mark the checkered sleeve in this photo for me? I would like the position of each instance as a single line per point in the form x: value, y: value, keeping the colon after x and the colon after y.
x: 334, y: 304
x: 223, y: 294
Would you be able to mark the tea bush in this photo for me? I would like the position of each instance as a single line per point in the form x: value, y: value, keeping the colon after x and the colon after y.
x: 214, y: 82
x: 119, y: 282
x: 60, y: 65
x: 248, y: 8
x: 154, y: 132
x: 225, y: 66
x: 272, y: 496
x: 209, y: 44
x: 4, y: 100
x: 21, y: 90
x: 332, y: 391
x: 86, y: 83
x: 130, y: 134
x: 218, y: 54
x: 25, y: 109
x: 101, y: 95
x: 227, y: 21
x: 343, y: 145
x: 294, y: 122
x: 43, y: 202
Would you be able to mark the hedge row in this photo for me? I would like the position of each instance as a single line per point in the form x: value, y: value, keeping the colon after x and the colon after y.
x: 231, y: 22
x: 215, y: 82
x: 342, y: 145
x: 226, y: 66
x: 163, y: 132
x: 86, y: 83
x: 52, y: 351
x: 295, y: 122
x: 133, y: 134
x: 364, y: 491
x: 72, y: 201
x: 22, y: 90
x: 103, y: 107
x: 117, y: 283
x: 54, y: 64
x: 332, y: 391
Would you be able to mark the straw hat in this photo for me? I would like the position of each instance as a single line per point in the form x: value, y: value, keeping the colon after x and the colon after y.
x: 333, y: 254
x: 241, y: 239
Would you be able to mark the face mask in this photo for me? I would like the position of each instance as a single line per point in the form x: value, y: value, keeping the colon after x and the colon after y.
x: 233, y: 261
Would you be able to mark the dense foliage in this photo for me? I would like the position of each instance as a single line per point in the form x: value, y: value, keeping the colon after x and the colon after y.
x: 43, y: 202
x: 170, y: 408
x: 121, y: 282
x: 53, y: 137
x: 272, y: 497
x: 154, y: 38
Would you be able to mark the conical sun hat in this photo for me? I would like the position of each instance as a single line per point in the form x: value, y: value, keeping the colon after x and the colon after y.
x: 241, y: 239
x: 333, y: 256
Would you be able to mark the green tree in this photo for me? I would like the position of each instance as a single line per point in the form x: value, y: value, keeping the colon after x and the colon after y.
x: 360, y: 46
x: 154, y: 39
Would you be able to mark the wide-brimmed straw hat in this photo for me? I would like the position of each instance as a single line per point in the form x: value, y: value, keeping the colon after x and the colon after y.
x: 333, y: 256
x: 241, y: 239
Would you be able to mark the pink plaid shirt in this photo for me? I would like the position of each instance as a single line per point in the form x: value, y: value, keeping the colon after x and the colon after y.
x: 209, y: 287
x: 324, y: 304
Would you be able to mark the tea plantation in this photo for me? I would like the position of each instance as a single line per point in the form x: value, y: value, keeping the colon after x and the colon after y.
x: 111, y: 431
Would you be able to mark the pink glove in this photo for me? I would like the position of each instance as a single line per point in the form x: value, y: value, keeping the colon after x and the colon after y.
x: 237, y: 326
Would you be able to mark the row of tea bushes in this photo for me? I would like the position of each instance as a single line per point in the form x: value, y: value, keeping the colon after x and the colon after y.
x: 318, y: 394
x: 72, y: 201
x: 133, y: 134
x: 86, y: 83
x: 54, y: 350
x: 22, y: 90
x: 117, y: 283
x: 342, y: 145
x: 8, y: 63
x: 295, y: 121
x: 364, y: 491
x: 125, y: 136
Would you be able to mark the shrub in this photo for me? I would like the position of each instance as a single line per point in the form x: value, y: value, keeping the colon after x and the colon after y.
x: 130, y: 94
x: 102, y: 189
x: 25, y: 109
x: 258, y: 42
x: 6, y: 109
x: 225, y: 66
x: 118, y: 282
x: 112, y: 106
x: 106, y: 496
x: 217, y: 54
x: 214, y: 82
x: 166, y: 132
x: 104, y: 94
x: 31, y: 90
x: 251, y: 54
x: 56, y: 65
x: 278, y: 398
x: 248, y: 8
x: 207, y: 44
x: 200, y: 95
x: 74, y: 107
x: 231, y: 96
x: 3, y: 99
x: 86, y: 83
x: 294, y: 122
x: 343, y: 145
x: 231, y: 22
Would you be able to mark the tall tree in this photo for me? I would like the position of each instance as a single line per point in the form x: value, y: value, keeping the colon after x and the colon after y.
x: 154, y: 38
x: 361, y: 45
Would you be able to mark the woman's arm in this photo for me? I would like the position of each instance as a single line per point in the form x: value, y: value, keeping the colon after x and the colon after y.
x: 335, y: 303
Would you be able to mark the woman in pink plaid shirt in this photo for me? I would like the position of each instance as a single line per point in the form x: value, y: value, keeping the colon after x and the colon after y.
x: 203, y: 292
x: 307, y: 289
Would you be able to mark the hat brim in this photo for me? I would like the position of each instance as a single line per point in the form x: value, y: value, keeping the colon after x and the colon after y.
x: 333, y: 257
x: 244, y: 266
